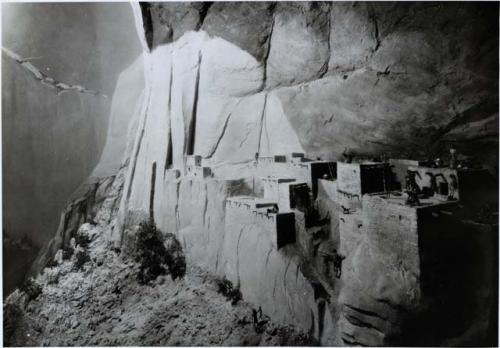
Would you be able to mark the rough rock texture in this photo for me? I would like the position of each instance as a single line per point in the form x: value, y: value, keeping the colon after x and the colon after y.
x: 250, y: 29
x: 168, y: 22
x: 405, y: 79
x: 103, y: 304
x: 300, y: 37
x: 353, y: 36
x: 97, y: 202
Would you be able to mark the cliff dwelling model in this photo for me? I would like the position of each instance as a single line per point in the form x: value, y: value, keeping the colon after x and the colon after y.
x: 274, y: 173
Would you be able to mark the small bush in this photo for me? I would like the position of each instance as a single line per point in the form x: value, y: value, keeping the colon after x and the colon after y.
x: 52, y: 263
x: 68, y: 252
x: 150, y: 253
x: 82, y: 257
x: 226, y: 288
x: 289, y: 337
x: 157, y: 256
x: 82, y: 240
x: 175, y: 259
x: 31, y: 288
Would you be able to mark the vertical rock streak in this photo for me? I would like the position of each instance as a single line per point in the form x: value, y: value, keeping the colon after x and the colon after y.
x: 192, y: 123
x: 152, y: 192
x: 262, y: 120
x: 169, y: 159
x: 137, y: 147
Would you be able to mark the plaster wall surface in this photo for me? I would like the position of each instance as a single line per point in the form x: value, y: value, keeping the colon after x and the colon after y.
x: 349, y: 178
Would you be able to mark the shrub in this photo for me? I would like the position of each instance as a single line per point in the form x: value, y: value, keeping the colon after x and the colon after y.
x: 226, y: 288
x: 289, y: 337
x: 175, y: 259
x: 31, y: 288
x: 82, y: 257
x: 68, y: 252
x: 52, y: 263
x: 150, y: 253
x: 156, y: 256
x: 82, y: 240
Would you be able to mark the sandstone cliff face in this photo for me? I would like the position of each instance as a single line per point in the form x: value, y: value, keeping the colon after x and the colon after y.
x: 127, y: 96
x: 405, y: 79
x: 228, y: 81
x: 231, y: 80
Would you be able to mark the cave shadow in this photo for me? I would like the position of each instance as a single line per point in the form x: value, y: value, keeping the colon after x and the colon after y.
x: 459, y: 283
